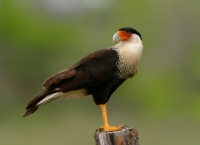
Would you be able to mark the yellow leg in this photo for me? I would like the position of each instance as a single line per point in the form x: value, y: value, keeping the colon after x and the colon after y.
x: 104, y: 115
x: 106, y: 126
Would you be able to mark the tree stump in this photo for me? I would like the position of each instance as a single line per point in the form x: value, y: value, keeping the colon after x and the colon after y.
x: 125, y: 136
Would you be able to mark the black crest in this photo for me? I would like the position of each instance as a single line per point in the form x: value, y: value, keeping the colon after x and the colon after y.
x: 131, y: 30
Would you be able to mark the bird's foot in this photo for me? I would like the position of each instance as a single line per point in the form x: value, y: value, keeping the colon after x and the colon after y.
x: 110, y: 128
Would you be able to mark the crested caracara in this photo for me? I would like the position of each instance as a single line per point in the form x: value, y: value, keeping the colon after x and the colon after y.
x: 98, y: 74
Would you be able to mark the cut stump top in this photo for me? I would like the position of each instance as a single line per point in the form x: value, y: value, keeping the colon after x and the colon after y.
x: 125, y: 136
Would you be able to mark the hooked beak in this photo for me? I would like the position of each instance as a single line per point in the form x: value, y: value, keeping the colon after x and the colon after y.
x: 116, y: 37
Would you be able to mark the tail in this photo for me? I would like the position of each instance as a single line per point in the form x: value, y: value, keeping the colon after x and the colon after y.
x: 41, y: 99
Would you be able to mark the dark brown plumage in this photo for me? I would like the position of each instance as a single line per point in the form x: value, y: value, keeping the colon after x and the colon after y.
x: 97, y: 73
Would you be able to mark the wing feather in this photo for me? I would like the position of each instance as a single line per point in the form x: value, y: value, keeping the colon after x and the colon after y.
x: 91, y: 70
x: 58, y: 77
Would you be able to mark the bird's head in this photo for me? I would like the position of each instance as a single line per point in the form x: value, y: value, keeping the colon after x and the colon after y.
x: 126, y: 34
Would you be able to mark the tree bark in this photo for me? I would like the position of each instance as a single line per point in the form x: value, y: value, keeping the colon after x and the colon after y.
x: 125, y: 136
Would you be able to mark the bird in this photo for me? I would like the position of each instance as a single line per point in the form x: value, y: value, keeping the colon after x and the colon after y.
x: 98, y: 74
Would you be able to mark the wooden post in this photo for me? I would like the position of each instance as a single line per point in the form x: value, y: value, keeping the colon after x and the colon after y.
x: 125, y: 136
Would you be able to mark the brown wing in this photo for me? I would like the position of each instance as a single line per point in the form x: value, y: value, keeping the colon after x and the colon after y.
x: 92, y: 69
x: 56, y: 78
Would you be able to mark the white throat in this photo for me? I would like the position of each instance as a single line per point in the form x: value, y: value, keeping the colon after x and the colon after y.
x: 132, y: 49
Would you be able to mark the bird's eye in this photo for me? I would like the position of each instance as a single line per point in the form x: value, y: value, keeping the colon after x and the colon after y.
x: 128, y: 32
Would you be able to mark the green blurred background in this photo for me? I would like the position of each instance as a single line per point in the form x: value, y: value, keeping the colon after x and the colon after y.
x: 41, y: 37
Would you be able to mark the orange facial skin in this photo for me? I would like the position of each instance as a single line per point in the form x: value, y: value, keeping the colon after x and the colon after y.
x: 124, y: 35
